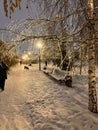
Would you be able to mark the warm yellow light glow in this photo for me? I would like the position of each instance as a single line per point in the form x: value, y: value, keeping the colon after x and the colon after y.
x: 57, y: 15
x: 39, y: 44
x: 29, y: 53
x: 25, y: 57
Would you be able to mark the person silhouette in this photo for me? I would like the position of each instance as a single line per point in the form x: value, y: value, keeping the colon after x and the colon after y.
x: 3, y: 74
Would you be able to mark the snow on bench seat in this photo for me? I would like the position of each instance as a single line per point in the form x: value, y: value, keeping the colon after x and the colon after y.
x: 60, y: 76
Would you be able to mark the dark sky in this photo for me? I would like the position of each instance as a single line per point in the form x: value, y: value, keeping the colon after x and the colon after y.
x: 4, y: 20
x: 18, y: 14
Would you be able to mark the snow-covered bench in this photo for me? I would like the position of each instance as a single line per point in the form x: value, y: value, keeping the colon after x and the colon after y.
x: 60, y: 76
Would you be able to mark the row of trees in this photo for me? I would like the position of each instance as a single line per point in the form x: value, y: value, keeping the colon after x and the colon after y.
x: 9, y: 57
x: 66, y: 26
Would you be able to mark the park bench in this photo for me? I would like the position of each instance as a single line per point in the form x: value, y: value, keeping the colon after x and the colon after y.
x: 60, y: 76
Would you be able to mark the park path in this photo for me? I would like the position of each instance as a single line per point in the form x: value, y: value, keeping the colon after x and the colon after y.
x: 32, y: 101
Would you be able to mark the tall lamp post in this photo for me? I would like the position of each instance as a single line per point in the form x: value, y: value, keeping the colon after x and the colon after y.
x: 39, y: 45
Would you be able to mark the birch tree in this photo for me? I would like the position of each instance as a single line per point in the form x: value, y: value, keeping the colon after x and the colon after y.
x: 91, y: 53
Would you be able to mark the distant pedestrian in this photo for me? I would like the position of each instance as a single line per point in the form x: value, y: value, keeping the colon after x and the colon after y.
x: 3, y: 74
x: 46, y: 63
x: 45, y: 67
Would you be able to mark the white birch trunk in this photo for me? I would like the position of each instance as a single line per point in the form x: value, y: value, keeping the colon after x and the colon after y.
x: 92, y: 105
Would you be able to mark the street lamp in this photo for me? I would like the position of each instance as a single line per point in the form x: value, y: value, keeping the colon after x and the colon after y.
x: 25, y: 57
x: 39, y: 45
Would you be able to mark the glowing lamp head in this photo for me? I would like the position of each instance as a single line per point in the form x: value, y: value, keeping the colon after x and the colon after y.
x: 39, y: 45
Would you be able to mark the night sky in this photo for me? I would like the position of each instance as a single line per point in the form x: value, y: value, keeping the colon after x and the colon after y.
x: 17, y: 15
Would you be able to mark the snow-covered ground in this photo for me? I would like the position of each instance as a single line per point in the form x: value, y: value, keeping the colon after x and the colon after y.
x: 32, y: 101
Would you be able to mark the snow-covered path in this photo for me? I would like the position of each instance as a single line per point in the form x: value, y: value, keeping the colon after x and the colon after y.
x: 32, y: 101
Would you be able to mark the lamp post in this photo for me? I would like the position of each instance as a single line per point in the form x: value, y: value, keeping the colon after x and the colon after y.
x: 39, y: 45
x: 39, y: 60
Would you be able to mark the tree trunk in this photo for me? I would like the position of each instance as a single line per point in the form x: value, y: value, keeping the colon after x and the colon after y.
x: 92, y: 106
